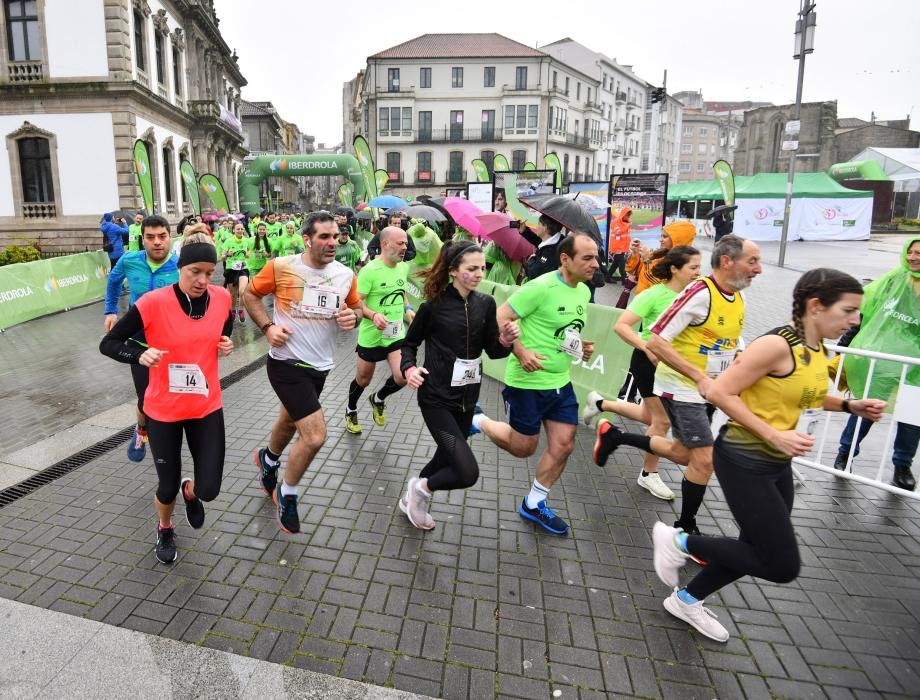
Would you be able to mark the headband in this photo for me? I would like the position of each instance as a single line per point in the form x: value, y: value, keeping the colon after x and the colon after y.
x: 197, y: 252
x: 457, y: 250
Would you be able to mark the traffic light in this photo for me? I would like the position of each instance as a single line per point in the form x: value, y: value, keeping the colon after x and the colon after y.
x: 659, y: 95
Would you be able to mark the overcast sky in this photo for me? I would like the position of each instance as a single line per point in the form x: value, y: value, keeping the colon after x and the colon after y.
x: 867, y: 55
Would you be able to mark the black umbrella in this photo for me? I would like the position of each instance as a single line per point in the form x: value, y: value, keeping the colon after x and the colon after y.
x: 437, y: 203
x: 721, y: 209
x: 426, y: 212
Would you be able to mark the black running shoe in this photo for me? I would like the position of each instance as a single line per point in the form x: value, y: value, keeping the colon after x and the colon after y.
x: 286, y: 512
x: 606, y: 441
x: 268, y: 476
x: 194, y: 509
x: 165, y: 549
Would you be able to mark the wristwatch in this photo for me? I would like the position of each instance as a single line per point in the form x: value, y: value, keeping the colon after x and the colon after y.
x: 266, y: 325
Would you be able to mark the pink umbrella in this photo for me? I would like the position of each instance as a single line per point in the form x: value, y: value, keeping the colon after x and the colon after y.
x: 494, y: 226
x: 464, y: 213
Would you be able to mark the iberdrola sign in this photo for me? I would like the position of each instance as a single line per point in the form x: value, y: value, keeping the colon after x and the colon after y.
x: 255, y: 172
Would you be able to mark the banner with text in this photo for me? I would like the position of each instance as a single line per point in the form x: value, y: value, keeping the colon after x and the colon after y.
x: 646, y: 194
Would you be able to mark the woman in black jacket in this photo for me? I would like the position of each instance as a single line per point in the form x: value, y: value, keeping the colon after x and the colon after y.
x: 457, y: 324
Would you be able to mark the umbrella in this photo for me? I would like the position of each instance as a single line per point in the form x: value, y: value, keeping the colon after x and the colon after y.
x: 721, y: 209
x: 423, y: 211
x: 387, y: 201
x: 494, y: 226
x: 365, y: 214
x: 401, y: 210
x: 361, y: 206
x: 437, y: 203
x: 567, y: 211
x: 344, y: 211
x: 464, y: 212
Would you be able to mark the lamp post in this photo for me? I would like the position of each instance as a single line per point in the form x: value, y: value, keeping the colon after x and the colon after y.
x: 804, y: 43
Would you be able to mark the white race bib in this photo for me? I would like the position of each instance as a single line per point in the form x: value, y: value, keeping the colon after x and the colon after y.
x: 319, y: 301
x: 466, y: 372
x: 393, y: 330
x: 237, y: 264
x: 809, y: 420
x: 717, y: 361
x: 187, y: 379
x: 571, y: 344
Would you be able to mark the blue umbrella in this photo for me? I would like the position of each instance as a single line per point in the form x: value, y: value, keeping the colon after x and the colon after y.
x: 387, y: 201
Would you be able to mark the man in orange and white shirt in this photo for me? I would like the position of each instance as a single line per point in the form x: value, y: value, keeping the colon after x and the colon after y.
x: 315, y: 299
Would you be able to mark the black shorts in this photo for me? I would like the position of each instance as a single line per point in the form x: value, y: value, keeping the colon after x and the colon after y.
x: 297, y: 386
x: 643, y: 372
x: 379, y: 353
x: 233, y: 276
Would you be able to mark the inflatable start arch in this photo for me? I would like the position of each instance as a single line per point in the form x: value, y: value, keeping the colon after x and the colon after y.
x: 252, y: 176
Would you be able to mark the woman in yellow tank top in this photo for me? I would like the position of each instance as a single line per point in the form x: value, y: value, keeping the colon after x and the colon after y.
x: 772, y: 393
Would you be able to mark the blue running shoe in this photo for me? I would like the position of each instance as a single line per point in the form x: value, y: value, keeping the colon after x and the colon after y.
x: 544, y: 516
x: 137, y: 448
x: 268, y: 476
x: 286, y: 512
x: 477, y: 411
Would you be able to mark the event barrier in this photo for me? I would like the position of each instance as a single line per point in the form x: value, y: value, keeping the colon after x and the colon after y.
x: 903, y: 408
x: 34, y: 289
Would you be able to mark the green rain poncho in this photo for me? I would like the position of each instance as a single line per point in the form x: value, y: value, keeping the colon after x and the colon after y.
x: 890, y: 324
x: 501, y: 270
x: 427, y: 244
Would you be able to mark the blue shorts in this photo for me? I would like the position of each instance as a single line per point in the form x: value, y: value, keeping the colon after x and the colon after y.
x: 526, y: 409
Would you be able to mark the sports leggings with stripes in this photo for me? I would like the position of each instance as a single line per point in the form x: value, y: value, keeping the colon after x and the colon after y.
x: 453, y: 465
x: 759, y: 491
x: 205, y: 437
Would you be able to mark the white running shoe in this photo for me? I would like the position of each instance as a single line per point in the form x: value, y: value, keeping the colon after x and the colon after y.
x: 429, y: 521
x: 702, y: 619
x: 417, y: 507
x: 590, y: 411
x: 655, y: 486
x: 668, y: 558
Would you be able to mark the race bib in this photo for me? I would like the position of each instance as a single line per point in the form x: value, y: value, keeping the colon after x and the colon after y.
x: 393, y: 330
x: 319, y: 301
x: 237, y: 264
x: 809, y: 420
x: 466, y: 372
x: 571, y: 344
x: 717, y: 361
x: 187, y: 379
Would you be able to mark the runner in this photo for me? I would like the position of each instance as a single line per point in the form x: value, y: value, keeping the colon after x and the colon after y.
x: 315, y: 298
x: 135, y: 234
x: 695, y: 339
x: 187, y: 325
x: 234, y: 253
x: 457, y: 324
x: 774, y: 393
x: 272, y: 225
x: 146, y: 270
x: 679, y: 267
x: 552, y: 310
x: 347, y: 251
x: 259, y: 251
x: 382, y: 290
x: 287, y: 242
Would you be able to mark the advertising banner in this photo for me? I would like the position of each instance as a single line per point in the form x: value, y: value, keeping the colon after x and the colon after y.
x: 346, y: 194
x: 381, y: 178
x: 191, y: 185
x: 144, y: 176
x: 215, y: 192
x: 480, y: 170
x: 601, y: 192
x: 31, y: 290
x: 810, y: 219
x: 726, y: 179
x: 500, y: 163
x: 480, y: 194
x: 366, y: 165
x: 646, y: 194
x: 551, y: 161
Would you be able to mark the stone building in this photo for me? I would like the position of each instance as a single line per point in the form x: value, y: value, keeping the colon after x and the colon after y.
x: 267, y: 133
x: 855, y: 135
x: 80, y: 82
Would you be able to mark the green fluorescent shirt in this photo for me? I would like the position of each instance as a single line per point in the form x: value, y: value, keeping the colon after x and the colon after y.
x: 134, y: 237
x: 257, y: 257
x: 283, y: 244
x: 273, y: 229
x: 649, y: 305
x: 235, y: 249
x: 546, y: 306
x: 385, y: 288
x: 348, y: 254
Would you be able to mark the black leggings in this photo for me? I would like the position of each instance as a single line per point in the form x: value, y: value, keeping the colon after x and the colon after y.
x: 759, y: 491
x: 205, y: 438
x: 453, y: 465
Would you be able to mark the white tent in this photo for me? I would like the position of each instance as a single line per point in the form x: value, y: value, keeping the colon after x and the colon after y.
x: 900, y: 164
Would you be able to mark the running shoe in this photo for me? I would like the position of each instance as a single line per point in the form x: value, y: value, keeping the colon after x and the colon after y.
x: 655, y: 486
x: 137, y: 448
x: 692, y: 530
x: 404, y: 507
x: 667, y: 557
x: 591, y: 411
x: 379, y: 409
x: 286, y: 512
x: 544, y: 516
x: 477, y: 411
x: 268, y: 476
x: 416, y: 506
x: 606, y: 441
x: 242, y: 316
x: 194, y: 509
x: 165, y: 549
x: 351, y: 422
x: 702, y: 619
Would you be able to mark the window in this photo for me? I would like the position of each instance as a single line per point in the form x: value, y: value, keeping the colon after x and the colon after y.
x: 488, y: 76
x: 392, y: 79
x: 488, y: 123
x: 684, y: 167
x: 589, y: 95
x: 393, y: 166
x: 140, y: 46
x: 456, y: 125
x: 488, y: 157
x: 177, y: 71
x: 704, y: 131
x: 424, y: 126
x: 577, y: 91
x: 520, y: 78
x: 533, y: 112
x: 518, y: 158
x: 566, y: 85
x: 520, y: 121
x: 700, y: 167
x: 35, y: 168
x: 384, y: 124
x: 577, y: 123
x: 159, y: 52
x: 686, y: 148
x: 578, y: 167
x: 407, y: 119
x: 701, y: 149
x: 168, y: 175
x: 424, y: 77
x: 22, y: 30
x: 688, y: 131
x: 712, y: 149
x: 424, y: 167
x: 555, y: 79
x: 456, y: 77
x: 509, y: 117
x: 455, y: 167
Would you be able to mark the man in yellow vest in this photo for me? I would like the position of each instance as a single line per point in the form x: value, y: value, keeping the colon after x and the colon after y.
x: 694, y: 340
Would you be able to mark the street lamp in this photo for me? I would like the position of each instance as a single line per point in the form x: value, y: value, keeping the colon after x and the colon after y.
x: 804, y: 44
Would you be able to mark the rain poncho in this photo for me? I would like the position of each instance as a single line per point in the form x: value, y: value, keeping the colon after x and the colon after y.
x: 427, y: 244
x: 890, y: 324
x: 681, y: 232
x: 502, y: 270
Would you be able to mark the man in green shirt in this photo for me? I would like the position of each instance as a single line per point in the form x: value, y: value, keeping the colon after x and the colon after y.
x: 382, y: 291
x: 551, y: 310
x: 135, y: 236
x: 272, y: 226
x: 347, y: 251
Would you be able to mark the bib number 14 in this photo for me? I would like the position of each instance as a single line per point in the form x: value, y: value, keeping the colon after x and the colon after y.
x: 187, y: 379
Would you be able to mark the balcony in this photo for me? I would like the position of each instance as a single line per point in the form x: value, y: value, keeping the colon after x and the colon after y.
x: 620, y: 124
x: 631, y: 128
x: 621, y: 98
x: 617, y: 150
x: 454, y: 176
x: 394, y: 176
x: 26, y: 72
x: 593, y: 106
x: 566, y: 138
x: 454, y: 135
x: 39, y: 210
x: 521, y: 89
x: 558, y: 92
x: 633, y: 104
x: 395, y: 91
x: 210, y: 114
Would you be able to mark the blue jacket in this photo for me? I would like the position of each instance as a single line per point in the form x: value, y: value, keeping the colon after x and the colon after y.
x: 114, y: 234
x: 133, y: 267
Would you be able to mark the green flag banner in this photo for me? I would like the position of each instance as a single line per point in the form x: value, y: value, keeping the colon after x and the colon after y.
x: 215, y: 192
x: 144, y: 176
x: 366, y: 164
x: 726, y: 179
x: 191, y: 185
x: 35, y: 289
x: 480, y: 170
x: 381, y: 178
x: 346, y: 194
x: 551, y: 161
x: 530, y: 166
x: 500, y: 164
